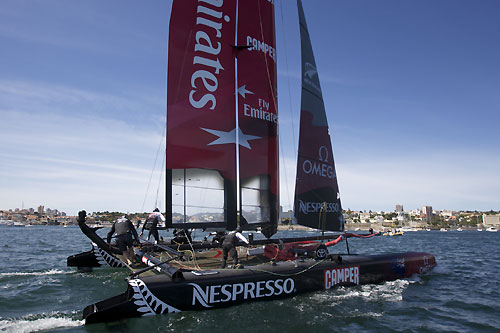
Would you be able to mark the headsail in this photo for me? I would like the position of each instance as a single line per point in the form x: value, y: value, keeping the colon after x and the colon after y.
x: 201, y: 119
x: 317, y: 200
x: 258, y: 114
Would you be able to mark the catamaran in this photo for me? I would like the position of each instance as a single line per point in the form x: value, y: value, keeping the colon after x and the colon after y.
x: 222, y: 172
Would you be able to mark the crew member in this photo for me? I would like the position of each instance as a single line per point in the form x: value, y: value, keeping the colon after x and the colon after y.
x: 218, y: 237
x: 151, y: 223
x: 182, y: 236
x: 229, y: 246
x: 124, y: 230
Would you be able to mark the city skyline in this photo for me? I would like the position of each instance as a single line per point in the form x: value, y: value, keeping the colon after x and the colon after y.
x: 410, y: 89
x: 54, y: 211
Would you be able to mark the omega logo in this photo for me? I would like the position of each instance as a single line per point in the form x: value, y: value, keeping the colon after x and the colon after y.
x: 323, y: 154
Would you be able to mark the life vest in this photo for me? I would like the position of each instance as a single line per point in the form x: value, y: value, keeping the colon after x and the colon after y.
x: 230, y: 239
x: 122, y: 226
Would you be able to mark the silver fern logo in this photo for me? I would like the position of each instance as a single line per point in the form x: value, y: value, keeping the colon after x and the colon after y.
x: 147, y: 303
x: 104, y: 258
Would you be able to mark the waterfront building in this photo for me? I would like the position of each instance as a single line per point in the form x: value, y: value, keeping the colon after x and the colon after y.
x: 448, y: 213
x: 364, y: 217
x: 491, y: 220
x: 286, y: 216
x: 427, y: 211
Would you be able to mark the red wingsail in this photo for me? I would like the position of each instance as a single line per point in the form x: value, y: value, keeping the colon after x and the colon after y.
x: 222, y: 65
x: 257, y: 111
x: 200, y: 90
x: 201, y: 118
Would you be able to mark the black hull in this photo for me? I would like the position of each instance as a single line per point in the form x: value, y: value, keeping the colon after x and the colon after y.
x: 97, y: 257
x: 83, y: 260
x: 203, y: 290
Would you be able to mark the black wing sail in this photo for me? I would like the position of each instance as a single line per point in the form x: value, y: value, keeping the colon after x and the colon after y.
x: 317, y: 199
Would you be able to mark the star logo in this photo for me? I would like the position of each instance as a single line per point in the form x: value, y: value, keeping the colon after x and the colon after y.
x: 230, y: 137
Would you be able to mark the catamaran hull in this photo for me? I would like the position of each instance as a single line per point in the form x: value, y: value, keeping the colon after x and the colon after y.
x: 83, y: 260
x: 159, y: 294
x: 97, y: 257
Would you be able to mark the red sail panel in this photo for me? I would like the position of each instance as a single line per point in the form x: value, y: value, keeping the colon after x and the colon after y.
x: 317, y: 199
x: 257, y: 111
x: 201, y: 119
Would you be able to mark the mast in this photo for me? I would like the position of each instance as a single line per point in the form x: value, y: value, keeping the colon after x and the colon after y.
x: 316, y: 187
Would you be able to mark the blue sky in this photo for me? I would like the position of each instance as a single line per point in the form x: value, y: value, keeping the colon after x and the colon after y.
x: 411, y: 88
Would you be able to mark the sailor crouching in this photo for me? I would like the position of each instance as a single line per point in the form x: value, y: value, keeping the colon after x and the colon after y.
x: 124, y: 229
x: 229, y: 246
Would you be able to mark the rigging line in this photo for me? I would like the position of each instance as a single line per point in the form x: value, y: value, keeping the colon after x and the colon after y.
x: 161, y: 177
x: 275, y: 99
x: 193, y: 252
x: 237, y: 121
x: 286, y: 177
x: 154, y: 166
x: 288, y: 84
x: 285, y: 167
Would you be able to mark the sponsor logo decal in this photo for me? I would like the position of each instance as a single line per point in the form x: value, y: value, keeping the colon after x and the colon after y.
x: 147, y: 303
x: 311, y: 76
x: 398, y: 265
x: 261, y: 112
x: 210, y: 295
x: 426, y: 266
x: 230, y: 137
x: 204, y: 81
x: 260, y: 45
x: 320, y: 168
x: 341, y: 276
x: 314, y: 207
x: 148, y: 262
x: 310, y: 70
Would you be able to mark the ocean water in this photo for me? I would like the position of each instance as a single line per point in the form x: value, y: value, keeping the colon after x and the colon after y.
x: 462, y: 294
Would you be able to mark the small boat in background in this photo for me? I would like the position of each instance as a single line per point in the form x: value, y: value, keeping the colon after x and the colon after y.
x: 393, y: 233
x: 443, y: 230
x: 492, y: 229
x: 408, y: 229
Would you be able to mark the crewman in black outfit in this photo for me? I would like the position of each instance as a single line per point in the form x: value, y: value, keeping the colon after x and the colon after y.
x: 124, y: 230
x: 229, y: 246
x: 151, y: 223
